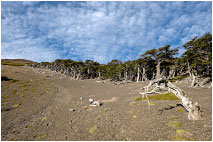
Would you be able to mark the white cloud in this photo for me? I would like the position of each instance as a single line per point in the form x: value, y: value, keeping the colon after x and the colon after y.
x: 100, y: 31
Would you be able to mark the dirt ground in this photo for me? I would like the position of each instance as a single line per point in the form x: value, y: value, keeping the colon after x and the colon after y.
x: 43, y: 106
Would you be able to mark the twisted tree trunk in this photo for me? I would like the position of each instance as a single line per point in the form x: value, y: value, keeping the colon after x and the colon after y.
x: 193, y: 109
x: 144, y: 78
x: 158, y: 74
x: 193, y: 80
x: 138, y: 74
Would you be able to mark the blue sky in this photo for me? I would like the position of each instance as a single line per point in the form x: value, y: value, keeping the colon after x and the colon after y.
x: 99, y: 31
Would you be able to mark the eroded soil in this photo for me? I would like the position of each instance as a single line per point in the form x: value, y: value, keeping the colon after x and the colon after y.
x: 45, y: 106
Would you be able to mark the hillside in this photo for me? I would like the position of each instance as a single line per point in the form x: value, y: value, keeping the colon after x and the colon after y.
x: 38, y: 104
x: 16, y: 62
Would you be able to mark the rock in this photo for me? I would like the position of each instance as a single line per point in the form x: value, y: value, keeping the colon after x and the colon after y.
x: 94, y: 102
x: 81, y: 98
x: 72, y: 110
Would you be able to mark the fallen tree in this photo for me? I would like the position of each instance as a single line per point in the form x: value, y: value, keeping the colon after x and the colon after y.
x: 194, y: 112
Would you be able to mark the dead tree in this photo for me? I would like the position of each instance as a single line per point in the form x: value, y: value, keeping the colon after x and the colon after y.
x: 193, y: 80
x: 193, y: 109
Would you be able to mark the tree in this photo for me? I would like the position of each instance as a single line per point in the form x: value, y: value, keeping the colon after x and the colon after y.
x: 198, y: 55
x: 163, y: 54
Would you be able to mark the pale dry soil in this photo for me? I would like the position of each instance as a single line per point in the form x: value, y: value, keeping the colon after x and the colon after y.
x: 39, y: 107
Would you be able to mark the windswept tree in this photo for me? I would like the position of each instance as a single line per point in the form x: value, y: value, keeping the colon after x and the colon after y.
x: 195, y: 61
x: 161, y: 55
x: 198, y: 55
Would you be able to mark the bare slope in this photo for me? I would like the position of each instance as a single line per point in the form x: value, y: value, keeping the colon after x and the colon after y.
x: 45, y: 112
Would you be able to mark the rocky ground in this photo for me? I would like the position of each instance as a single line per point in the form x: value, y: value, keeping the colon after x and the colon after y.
x: 40, y: 105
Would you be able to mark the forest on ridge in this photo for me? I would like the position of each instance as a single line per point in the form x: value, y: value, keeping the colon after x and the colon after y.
x: 195, y: 61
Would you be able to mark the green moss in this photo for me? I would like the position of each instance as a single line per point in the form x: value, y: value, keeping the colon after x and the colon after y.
x: 151, y: 103
x: 26, y: 89
x: 98, y: 118
x: 24, y: 85
x: 167, y: 96
x: 132, y: 111
x: 13, y: 81
x: 28, y: 126
x: 138, y: 99
x: 14, y: 92
x: 174, y: 124
x: 179, y: 131
x: 27, y: 82
x: 40, y: 94
x: 7, y: 96
x: 22, y: 96
x: 42, y: 136
x: 92, y: 129
x: 107, y: 109
x: 181, y: 135
x: 133, y: 104
x: 85, y: 107
x: 16, y: 105
x: 179, y: 109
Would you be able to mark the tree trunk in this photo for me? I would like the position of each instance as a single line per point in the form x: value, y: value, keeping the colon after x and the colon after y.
x: 189, y: 70
x: 130, y: 75
x: 193, y: 80
x: 193, y: 109
x: 74, y: 74
x: 138, y: 77
x: 99, y: 74
x: 78, y: 76
x: 158, y: 75
x: 144, y: 74
x: 126, y: 75
x: 153, y: 76
x: 119, y: 75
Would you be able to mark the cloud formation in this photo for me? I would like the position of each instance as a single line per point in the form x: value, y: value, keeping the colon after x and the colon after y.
x: 100, y: 31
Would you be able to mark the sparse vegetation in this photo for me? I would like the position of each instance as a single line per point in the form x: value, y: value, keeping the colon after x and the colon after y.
x: 181, y: 135
x: 41, y: 136
x: 14, y: 92
x: 12, y: 63
x: 179, y: 109
x: 133, y: 104
x: 27, y: 91
x: 167, y: 96
x: 174, y: 124
x: 7, y: 96
x: 22, y: 96
x: 16, y: 105
x: 92, y: 129
x: 41, y: 94
x: 13, y: 81
x: 85, y: 107
x: 107, y: 109
x: 132, y: 111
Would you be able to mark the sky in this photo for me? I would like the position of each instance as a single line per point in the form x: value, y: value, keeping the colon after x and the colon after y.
x: 99, y: 31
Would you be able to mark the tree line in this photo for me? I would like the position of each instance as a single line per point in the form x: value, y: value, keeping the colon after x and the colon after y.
x: 195, y: 61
